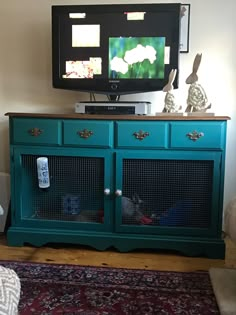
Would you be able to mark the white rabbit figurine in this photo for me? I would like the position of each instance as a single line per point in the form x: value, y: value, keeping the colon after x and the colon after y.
x: 169, y: 102
x: 197, y: 100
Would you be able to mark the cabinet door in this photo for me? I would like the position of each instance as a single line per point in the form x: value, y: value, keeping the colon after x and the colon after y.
x: 169, y: 193
x: 75, y: 198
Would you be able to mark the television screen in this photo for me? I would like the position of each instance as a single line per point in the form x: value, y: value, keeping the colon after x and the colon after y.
x: 115, y: 49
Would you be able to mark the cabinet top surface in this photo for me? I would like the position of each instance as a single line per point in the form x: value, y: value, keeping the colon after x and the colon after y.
x: 116, y: 117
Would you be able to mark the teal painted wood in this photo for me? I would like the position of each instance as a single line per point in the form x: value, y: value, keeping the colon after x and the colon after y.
x: 212, y: 230
x: 209, y: 247
x: 24, y: 207
x: 211, y: 135
x: 36, y: 131
x: 166, y: 140
x: 13, y: 204
x: 141, y: 134
x: 88, y: 133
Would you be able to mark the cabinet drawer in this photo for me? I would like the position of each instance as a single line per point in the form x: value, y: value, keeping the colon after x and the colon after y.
x: 88, y: 133
x: 141, y: 134
x: 36, y: 131
x: 199, y: 135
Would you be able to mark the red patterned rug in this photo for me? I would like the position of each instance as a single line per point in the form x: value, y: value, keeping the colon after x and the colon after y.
x: 49, y: 289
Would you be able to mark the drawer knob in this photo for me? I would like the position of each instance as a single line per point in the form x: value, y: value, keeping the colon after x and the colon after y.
x: 194, y: 135
x: 85, y: 133
x: 140, y: 135
x: 35, y: 132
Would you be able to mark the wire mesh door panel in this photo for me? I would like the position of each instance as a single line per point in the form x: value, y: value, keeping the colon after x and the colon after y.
x: 167, y: 193
x: 75, y: 192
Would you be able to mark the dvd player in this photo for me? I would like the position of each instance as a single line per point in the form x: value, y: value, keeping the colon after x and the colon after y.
x: 113, y: 108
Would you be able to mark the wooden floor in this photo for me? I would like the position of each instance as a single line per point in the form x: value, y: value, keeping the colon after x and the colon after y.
x: 137, y: 259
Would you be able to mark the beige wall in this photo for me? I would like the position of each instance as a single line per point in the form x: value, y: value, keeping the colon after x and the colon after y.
x: 25, y: 66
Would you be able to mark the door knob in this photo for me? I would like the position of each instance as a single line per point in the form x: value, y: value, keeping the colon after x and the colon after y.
x: 118, y: 192
x: 107, y: 191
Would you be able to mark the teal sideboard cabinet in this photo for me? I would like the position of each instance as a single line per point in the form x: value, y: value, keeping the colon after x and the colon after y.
x: 126, y: 182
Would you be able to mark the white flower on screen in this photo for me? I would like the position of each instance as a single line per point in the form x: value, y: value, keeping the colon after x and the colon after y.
x: 119, y: 65
x: 150, y: 54
x: 139, y: 54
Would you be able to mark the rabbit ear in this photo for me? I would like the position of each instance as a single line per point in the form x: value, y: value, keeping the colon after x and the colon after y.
x: 172, y: 76
x: 136, y: 199
x: 192, y: 78
x: 169, y: 85
x: 197, y: 62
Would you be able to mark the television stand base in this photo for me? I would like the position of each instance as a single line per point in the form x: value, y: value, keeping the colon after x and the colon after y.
x: 113, y: 108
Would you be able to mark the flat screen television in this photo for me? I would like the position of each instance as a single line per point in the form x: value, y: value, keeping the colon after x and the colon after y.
x: 115, y: 49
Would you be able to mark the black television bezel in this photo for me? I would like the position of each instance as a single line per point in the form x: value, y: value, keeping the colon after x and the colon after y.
x: 107, y: 86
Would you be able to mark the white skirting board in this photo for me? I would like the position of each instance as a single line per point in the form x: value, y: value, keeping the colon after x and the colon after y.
x: 4, y: 198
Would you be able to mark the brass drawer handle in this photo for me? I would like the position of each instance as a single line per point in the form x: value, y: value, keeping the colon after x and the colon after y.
x: 85, y: 133
x: 140, y: 135
x: 35, y: 132
x: 194, y: 135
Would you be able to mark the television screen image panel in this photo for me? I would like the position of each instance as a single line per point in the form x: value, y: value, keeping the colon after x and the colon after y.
x: 83, y: 69
x: 115, y: 49
x: 85, y: 35
x: 136, y: 57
